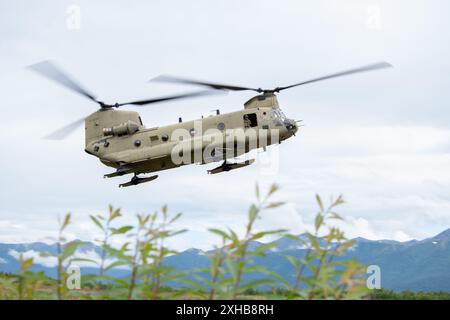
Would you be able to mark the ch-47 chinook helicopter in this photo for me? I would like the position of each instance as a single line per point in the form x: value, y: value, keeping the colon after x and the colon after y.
x: 121, y: 141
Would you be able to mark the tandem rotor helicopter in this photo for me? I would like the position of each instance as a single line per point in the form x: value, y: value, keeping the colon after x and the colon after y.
x: 121, y: 141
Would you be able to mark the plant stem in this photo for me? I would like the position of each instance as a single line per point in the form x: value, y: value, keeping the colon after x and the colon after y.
x: 105, y: 243
x: 60, y: 270
x: 216, y: 271
x: 135, y: 266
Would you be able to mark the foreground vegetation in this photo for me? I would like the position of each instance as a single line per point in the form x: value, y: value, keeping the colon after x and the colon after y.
x: 318, y: 275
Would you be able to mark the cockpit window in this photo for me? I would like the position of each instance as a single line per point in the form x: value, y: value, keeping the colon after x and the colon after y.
x: 273, y: 115
x: 277, y: 114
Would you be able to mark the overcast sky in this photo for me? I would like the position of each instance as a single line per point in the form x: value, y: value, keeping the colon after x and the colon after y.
x: 382, y: 139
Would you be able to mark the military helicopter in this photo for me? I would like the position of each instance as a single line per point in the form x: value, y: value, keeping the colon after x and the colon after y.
x: 121, y: 141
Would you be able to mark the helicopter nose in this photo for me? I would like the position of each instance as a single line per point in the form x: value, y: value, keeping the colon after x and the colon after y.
x: 291, y: 126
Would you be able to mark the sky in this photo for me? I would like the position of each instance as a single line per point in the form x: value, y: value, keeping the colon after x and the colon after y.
x: 382, y: 139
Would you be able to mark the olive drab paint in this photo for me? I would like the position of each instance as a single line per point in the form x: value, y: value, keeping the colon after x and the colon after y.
x: 121, y: 141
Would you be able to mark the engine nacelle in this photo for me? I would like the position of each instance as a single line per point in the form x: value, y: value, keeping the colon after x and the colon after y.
x: 123, y: 129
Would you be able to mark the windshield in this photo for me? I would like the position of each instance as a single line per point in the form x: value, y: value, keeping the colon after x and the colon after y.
x: 277, y: 114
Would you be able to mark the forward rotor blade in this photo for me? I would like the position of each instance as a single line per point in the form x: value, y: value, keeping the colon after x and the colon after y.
x: 64, y: 132
x: 370, y: 67
x: 168, y: 98
x: 52, y: 72
x: 218, y: 86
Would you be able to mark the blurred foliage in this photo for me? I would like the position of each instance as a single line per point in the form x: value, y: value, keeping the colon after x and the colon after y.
x: 144, y: 248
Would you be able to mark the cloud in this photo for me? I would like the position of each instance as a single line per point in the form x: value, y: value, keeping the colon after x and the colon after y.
x: 36, y: 256
x: 50, y: 261
x: 381, y: 139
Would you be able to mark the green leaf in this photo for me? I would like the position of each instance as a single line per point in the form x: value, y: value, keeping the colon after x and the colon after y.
x: 124, y: 247
x: 84, y: 260
x: 115, y: 264
x: 25, y: 264
x: 339, y: 201
x: 274, y: 205
x: 334, y: 215
x: 97, y: 222
x: 121, y: 282
x: 233, y: 236
x: 174, y: 233
x: 319, y: 202
x: 254, y: 268
x: 45, y: 254
x: 256, y: 284
x: 294, y: 261
x: 66, y: 221
x: 177, y: 216
x: 273, y: 188
x: 261, y: 250
x: 220, y: 233
x: 297, y: 238
x: 122, y: 230
x: 232, y: 267
x: 69, y: 249
x: 194, y: 284
x: 277, y: 277
x: 314, y: 243
x: 113, y: 214
x: 318, y: 221
x: 262, y: 234
x: 252, y: 212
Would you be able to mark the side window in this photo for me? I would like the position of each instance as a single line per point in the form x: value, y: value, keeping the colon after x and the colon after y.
x: 281, y: 114
x: 250, y: 120
x: 153, y: 138
x: 273, y: 115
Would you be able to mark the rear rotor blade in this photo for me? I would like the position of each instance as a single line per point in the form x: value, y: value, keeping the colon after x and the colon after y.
x: 170, y: 79
x: 52, y: 72
x: 370, y: 67
x: 64, y: 132
x: 168, y: 98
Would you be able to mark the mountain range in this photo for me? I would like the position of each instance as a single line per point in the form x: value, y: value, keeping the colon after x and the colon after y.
x: 413, y: 265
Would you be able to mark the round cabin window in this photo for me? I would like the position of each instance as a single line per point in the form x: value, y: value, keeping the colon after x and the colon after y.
x: 192, y: 132
x: 221, y: 126
x: 165, y: 137
x: 137, y: 143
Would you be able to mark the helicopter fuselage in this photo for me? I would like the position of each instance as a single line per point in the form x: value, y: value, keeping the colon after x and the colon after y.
x: 120, y: 140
